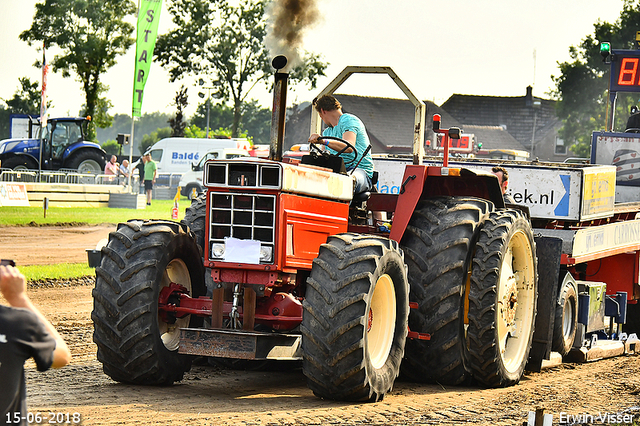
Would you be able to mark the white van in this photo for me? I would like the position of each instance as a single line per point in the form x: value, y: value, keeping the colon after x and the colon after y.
x: 193, y: 179
x: 176, y: 155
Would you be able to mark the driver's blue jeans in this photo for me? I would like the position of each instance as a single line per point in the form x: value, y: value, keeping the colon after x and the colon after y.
x: 361, y: 181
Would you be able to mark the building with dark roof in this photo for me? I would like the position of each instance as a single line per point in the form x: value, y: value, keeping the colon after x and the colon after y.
x: 496, y: 122
x: 526, y: 118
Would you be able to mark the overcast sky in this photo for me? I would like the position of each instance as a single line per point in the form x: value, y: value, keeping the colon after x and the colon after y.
x: 476, y: 47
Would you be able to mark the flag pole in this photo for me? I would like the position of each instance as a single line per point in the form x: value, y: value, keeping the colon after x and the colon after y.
x: 146, y: 34
x: 132, y: 116
x: 43, y: 106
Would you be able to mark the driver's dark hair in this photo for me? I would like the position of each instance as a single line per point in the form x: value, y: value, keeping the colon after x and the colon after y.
x: 327, y: 103
x: 505, y: 173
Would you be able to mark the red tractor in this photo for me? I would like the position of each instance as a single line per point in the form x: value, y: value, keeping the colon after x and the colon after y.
x: 280, y: 261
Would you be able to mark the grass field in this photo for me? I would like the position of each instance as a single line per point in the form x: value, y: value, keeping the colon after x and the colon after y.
x: 60, y: 271
x: 16, y: 216
x: 159, y: 209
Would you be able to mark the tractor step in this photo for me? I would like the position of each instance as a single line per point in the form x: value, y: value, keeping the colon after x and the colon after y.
x: 239, y: 344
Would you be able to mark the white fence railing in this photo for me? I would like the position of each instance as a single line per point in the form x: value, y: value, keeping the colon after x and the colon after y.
x: 71, y: 177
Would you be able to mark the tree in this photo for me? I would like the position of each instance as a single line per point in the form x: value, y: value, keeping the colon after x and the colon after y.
x: 194, y: 131
x: 4, y: 122
x: 111, y: 147
x: 100, y: 117
x: 227, y: 43
x: 220, y: 115
x: 255, y: 123
x: 91, y: 35
x: 26, y: 100
x: 153, y: 137
x: 143, y: 126
x: 177, y: 123
x: 581, y: 87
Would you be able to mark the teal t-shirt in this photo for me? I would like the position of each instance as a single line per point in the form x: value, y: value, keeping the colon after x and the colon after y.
x: 351, y: 123
x: 149, y: 169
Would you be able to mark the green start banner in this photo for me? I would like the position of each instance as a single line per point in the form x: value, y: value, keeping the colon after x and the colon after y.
x: 148, y: 19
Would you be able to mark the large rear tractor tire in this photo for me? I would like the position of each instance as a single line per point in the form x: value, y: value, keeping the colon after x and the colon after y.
x: 87, y: 161
x: 135, y: 345
x: 194, y: 218
x: 502, y: 299
x: 566, y: 318
x: 354, y: 322
x: 437, y: 246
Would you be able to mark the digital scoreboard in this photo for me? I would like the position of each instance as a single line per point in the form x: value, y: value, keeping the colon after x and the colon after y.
x: 625, y: 71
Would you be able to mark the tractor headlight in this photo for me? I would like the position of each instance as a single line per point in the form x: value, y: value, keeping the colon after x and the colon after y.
x: 266, y: 253
x: 217, y: 250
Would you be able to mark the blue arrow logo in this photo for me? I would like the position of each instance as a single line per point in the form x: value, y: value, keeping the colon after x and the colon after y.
x: 563, y: 206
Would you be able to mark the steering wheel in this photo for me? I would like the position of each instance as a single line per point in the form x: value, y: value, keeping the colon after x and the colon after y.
x: 346, y: 143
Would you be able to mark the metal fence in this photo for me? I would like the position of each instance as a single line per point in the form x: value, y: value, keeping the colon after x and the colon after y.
x: 66, y: 176
x: 166, y: 184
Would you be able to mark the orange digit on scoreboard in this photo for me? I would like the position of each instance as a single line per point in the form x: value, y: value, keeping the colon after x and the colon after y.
x: 628, y: 72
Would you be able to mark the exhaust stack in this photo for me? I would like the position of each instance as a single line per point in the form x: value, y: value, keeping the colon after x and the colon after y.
x: 279, y: 109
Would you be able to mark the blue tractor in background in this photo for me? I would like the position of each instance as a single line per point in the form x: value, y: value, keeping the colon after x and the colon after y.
x: 64, y: 147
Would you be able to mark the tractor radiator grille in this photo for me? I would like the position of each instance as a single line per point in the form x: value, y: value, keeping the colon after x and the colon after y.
x: 242, y: 216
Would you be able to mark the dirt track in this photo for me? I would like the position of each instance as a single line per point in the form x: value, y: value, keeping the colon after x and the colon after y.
x: 214, y: 396
x: 46, y: 245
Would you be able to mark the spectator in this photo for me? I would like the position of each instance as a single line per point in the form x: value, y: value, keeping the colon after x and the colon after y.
x: 503, y: 179
x: 124, y: 168
x: 150, y: 171
x: 111, y: 168
x: 124, y: 171
x: 24, y: 333
x: 140, y: 168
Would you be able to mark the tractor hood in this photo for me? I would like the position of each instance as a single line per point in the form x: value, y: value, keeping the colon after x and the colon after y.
x: 25, y: 146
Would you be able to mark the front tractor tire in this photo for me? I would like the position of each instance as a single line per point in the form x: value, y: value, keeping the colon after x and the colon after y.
x: 135, y: 345
x: 502, y: 299
x: 19, y: 163
x: 354, y: 322
x: 438, y: 245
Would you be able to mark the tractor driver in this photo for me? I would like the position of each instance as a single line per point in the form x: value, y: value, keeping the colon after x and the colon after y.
x: 350, y: 128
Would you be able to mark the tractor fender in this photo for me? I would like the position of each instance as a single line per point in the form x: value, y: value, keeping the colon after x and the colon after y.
x: 422, y: 182
x: 78, y: 146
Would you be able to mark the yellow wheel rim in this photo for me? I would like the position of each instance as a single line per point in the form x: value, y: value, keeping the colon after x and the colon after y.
x: 381, y: 321
x: 516, y: 301
x: 176, y: 272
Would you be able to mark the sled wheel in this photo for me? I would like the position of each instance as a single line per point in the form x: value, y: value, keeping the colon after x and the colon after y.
x: 135, y: 345
x: 566, y: 320
x: 354, y: 322
x: 437, y: 246
x: 502, y: 299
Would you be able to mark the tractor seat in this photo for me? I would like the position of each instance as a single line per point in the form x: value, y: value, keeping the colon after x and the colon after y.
x: 361, y: 197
